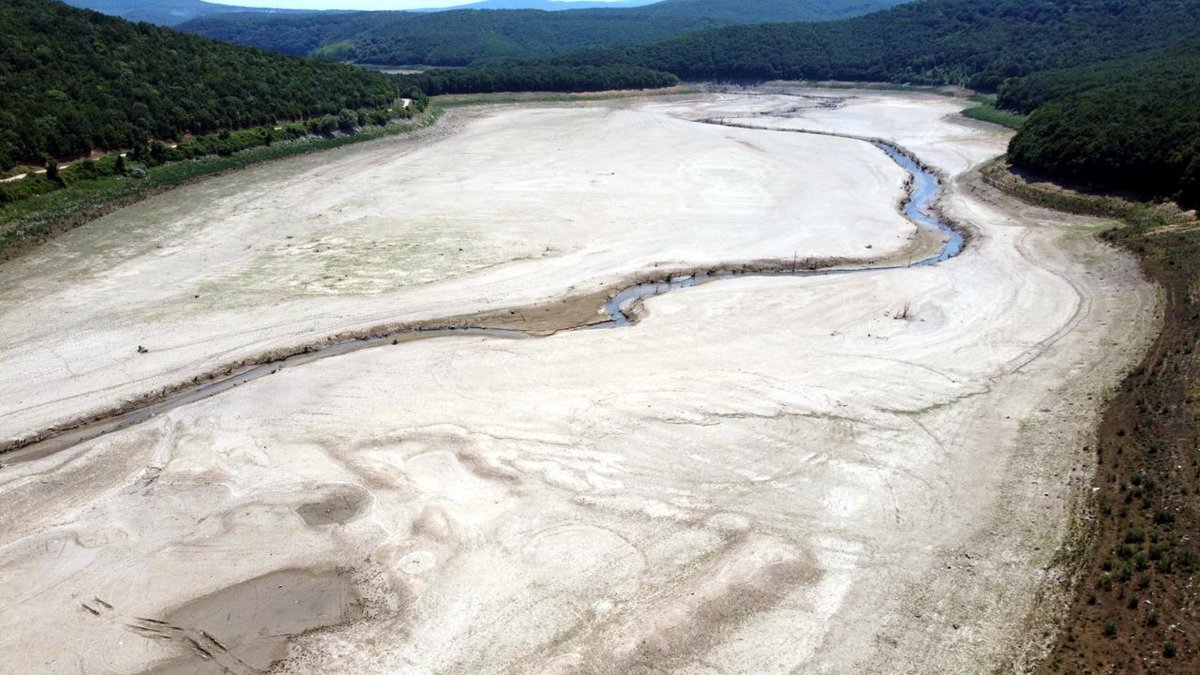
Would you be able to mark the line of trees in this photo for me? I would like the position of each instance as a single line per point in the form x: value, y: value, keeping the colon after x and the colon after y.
x: 145, y: 155
x: 538, y: 78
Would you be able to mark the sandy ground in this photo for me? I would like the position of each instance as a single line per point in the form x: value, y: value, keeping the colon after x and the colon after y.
x: 519, y: 207
x: 764, y: 475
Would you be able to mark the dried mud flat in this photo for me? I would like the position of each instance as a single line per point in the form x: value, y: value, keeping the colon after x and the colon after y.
x: 856, y: 473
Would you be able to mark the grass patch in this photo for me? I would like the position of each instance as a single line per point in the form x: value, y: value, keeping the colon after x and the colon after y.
x: 988, y: 112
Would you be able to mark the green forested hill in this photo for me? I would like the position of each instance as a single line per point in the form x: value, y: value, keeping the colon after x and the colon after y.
x: 978, y: 43
x: 74, y: 80
x: 1132, y: 124
x: 442, y: 38
x: 762, y: 11
x: 458, y: 38
x: 1025, y: 94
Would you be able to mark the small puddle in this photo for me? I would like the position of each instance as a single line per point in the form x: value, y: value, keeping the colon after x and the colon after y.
x: 243, y: 629
x: 339, y: 506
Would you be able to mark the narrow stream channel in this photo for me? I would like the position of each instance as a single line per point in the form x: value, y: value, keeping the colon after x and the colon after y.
x: 924, y: 191
x: 922, y: 195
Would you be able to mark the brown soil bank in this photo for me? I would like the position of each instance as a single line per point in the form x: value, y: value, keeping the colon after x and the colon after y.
x: 1136, y: 603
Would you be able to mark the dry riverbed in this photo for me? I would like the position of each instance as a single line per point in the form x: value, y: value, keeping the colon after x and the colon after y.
x: 869, y: 472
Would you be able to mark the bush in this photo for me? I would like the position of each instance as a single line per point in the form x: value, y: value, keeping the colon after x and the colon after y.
x: 323, y: 126
x: 31, y: 185
x: 347, y: 121
x: 91, y: 169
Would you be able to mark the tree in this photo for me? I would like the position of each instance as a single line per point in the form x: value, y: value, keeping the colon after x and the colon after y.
x: 1189, y: 185
x: 347, y: 120
x: 158, y: 153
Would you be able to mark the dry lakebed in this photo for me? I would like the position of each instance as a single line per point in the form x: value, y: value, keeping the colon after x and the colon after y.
x: 873, y: 468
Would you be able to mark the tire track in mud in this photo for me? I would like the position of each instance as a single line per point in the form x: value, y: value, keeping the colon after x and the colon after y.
x: 622, y: 308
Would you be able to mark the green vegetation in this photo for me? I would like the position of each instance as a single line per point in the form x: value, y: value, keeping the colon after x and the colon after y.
x: 460, y: 38
x: 988, y: 112
x: 459, y: 100
x: 456, y: 38
x: 1140, y: 559
x: 75, y: 81
x: 974, y: 43
x: 1129, y: 124
x: 1026, y: 94
x: 538, y: 78
x: 1142, y: 136
x: 762, y: 11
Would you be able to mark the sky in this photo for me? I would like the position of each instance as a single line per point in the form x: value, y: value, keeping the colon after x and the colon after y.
x: 352, y: 4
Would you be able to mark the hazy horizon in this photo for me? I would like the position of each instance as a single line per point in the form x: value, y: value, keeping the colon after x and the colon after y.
x: 357, y: 4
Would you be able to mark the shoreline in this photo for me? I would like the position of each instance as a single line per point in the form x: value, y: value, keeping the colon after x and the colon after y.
x: 53, y: 220
x: 1103, y: 557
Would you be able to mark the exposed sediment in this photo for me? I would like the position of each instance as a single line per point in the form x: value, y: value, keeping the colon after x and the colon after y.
x: 834, y: 472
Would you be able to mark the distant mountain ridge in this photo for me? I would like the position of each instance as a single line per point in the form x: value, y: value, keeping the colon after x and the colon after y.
x: 761, y: 11
x: 168, y: 12
x: 175, y: 12
x: 544, y: 5
x: 463, y: 37
x: 974, y: 43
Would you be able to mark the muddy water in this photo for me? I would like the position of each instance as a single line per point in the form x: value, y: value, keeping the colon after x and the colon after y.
x: 924, y: 190
x: 243, y: 629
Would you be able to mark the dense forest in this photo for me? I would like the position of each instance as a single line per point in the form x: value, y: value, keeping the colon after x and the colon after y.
x: 1025, y: 94
x: 442, y: 38
x: 459, y: 38
x: 1138, y: 131
x: 763, y: 11
x: 976, y: 43
x: 538, y: 78
x: 75, y: 80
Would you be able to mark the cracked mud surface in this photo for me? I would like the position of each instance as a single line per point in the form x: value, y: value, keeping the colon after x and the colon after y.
x: 764, y: 475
